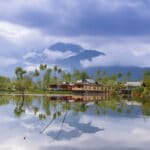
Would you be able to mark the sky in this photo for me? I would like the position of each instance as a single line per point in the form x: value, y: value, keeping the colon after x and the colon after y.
x: 119, y: 28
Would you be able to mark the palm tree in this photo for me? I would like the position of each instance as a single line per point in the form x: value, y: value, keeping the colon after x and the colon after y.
x: 59, y: 71
x: 36, y: 74
x: 20, y: 72
x: 97, y: 75
x: 55, y: 71
x: 119, y: 75
x: 42, y: 67
x: 128, y: 75
x: 76, y: 75
x: 20, y: 79
x: 47, y: 77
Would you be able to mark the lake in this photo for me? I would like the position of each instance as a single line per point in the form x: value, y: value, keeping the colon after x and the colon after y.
x: 37, y: 123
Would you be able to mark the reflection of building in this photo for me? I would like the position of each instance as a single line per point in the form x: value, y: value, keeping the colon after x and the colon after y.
x: 93, y: 97
x: 83, y: 97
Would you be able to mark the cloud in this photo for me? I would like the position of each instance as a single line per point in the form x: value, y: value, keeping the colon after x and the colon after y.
x: 120, y: 51
x: 7, y: 61
x: 30, y: 55
x: 31, y: 67
x: 19, y: 34
x: 112, y: 26
x: 117, y: 59
x: 75, y: 18
x: 54, y: 55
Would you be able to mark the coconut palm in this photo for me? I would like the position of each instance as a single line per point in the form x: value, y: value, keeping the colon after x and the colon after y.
x: 97, y: 75
x: 42, y: 67
x: 20, y: 72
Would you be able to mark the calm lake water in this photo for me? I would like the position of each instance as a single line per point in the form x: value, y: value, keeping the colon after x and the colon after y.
x: 36, y: 123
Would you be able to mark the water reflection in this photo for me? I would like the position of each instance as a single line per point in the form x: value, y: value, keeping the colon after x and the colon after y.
x: 39, y: 123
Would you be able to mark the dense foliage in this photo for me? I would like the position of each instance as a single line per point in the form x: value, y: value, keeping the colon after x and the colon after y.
x: 41, y: 77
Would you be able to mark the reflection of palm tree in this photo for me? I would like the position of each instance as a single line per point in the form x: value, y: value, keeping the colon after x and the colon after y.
x: 57, y: 113
x: 19, y: 108
x: 64, y: 118
x: 46, y: 107
x: 51, y: 121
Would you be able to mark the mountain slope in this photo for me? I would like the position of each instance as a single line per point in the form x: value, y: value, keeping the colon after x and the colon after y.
x: 65, y: 55
x: 69, y: 56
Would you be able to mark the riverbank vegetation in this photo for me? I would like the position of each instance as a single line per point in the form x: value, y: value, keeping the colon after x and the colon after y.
x: 37, y: 81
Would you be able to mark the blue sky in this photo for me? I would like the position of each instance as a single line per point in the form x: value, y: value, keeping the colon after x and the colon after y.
x: 120, y: 28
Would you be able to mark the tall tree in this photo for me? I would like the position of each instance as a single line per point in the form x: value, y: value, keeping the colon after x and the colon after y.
x: 5, y: 83
x: 97, y: 75
x: 55, y: 68
x: 146, y: 79
x: 66, y: 77
x: 43, y: 68
x: 47, y: 77
x: 76, y: 75
x: 128, y: 75
x: 20, y: 72
x: 83, y: 75
x: 59, y: 72
x: 119, y: 75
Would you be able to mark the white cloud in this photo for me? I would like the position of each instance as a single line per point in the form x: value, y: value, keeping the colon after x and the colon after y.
x: 30, y: 55
x: 117, y: 59
x: 22, y: 36
x: 54, y: 55
x: 12, y: 32
x: 30, y: 66
x: 125, y: 51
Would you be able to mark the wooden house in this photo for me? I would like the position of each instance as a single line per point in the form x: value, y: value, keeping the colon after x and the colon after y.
x: 81, y: 87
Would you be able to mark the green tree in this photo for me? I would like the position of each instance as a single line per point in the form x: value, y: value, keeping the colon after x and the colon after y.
x: 97, y: 75
x: 146, y: 79
x: 119, y: 75
x: 19, y: 84
x: 83, y: 75
x: 43, y: 68
x: 55, y: 72
x: 59, y: 72
x: 104, y: 77
x: 128, y: 75
x: 20, y: 72
x: 66, y: 77
x: 146, y: 82
x: 47, y: 77
x: 35, y: 75
x: 5, y: 83
x: 76, y: 75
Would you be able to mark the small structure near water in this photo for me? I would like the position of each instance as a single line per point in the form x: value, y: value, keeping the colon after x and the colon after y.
x: 87, y: 86
x: 128, y: 87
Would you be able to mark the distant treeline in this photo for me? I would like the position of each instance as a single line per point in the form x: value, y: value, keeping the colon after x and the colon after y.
x: 41, y: 77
